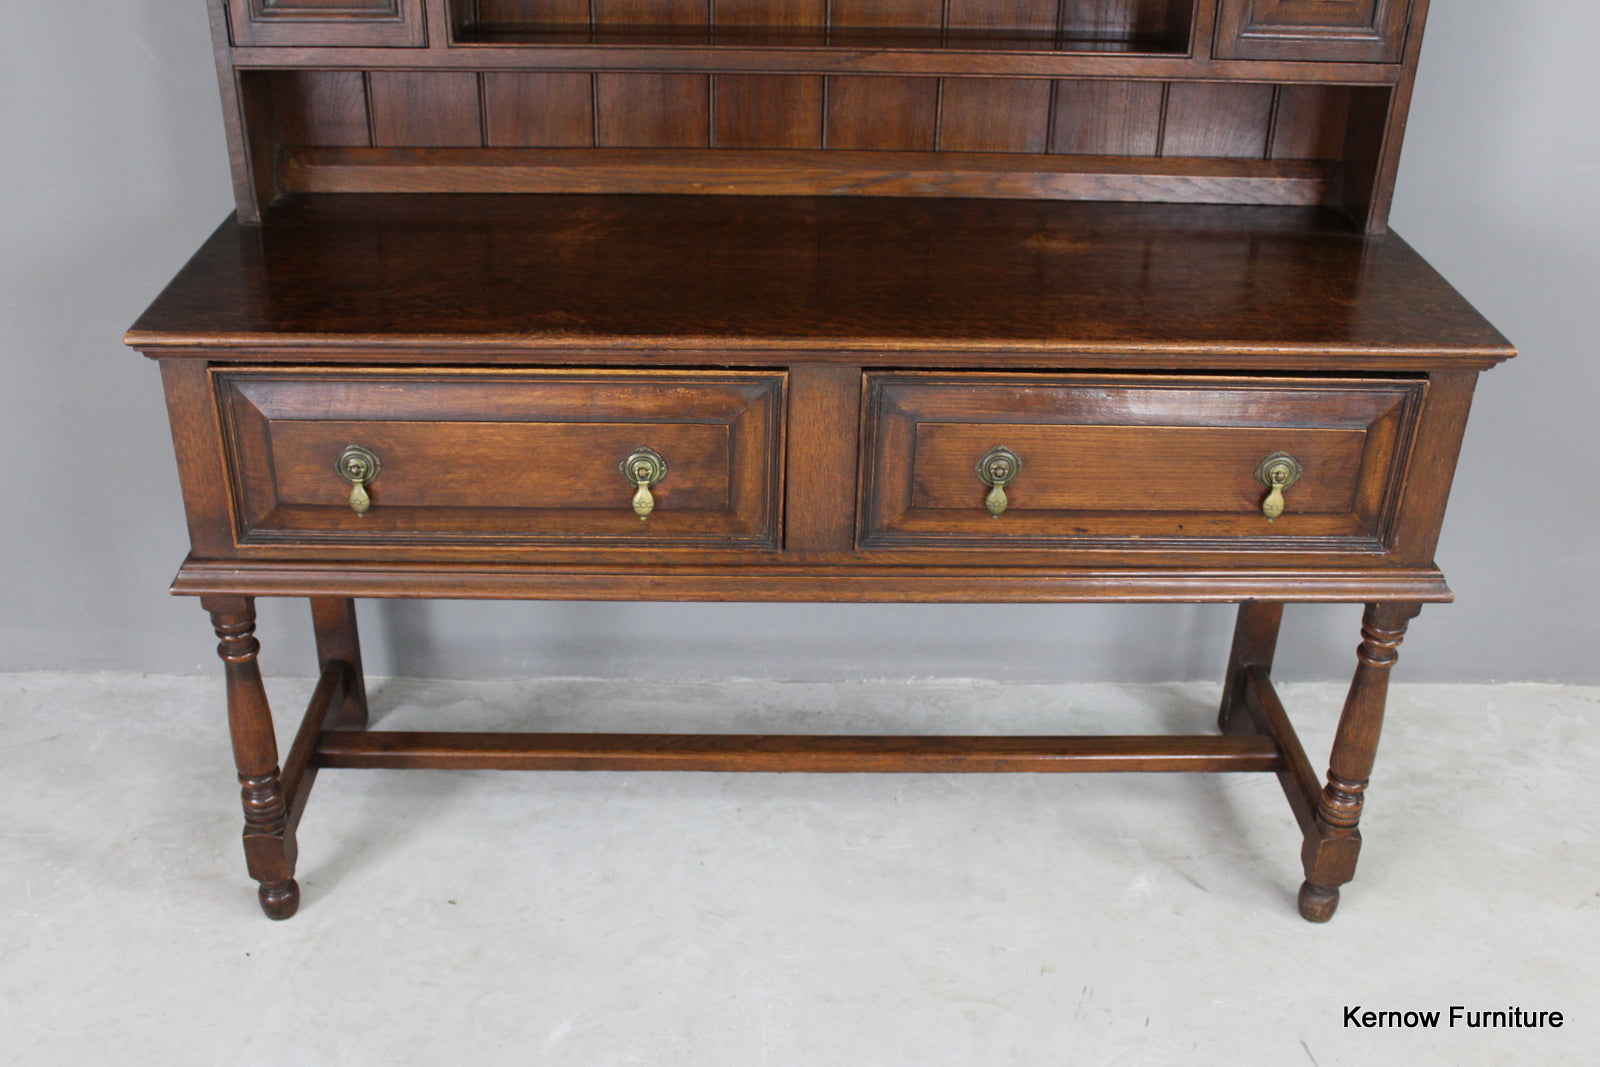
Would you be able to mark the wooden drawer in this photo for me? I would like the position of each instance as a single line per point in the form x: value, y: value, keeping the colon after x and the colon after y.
x: 1134, y: 462
x: 343, y: 23
x: 1340, y: 31
x: 504, y: 458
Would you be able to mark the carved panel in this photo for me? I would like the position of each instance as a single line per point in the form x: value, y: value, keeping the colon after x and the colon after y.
x: 350, y: 23
x: 491, y: 462
x: 1132, y: 462
x: 1349, y: 31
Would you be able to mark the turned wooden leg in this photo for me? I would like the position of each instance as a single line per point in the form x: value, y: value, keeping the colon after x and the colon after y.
x: 269, y: 846
x: 1330, y: 852
x: 1255, y: 639
x: 334, y: 619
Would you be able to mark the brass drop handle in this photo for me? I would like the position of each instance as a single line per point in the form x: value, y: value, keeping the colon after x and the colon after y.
x: 358, y: 466
x: 997, y: 469
x: 643, y: 468
x: 1277, y: 472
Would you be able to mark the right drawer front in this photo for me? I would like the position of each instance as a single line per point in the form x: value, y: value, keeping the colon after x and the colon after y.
x: 1126, y: 462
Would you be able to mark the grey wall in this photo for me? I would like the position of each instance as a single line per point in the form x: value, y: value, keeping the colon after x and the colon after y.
x: 114, y: 170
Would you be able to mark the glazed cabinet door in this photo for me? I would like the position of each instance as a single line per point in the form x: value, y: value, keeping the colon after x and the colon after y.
x: 1348, y: 31
x: 343, y: 23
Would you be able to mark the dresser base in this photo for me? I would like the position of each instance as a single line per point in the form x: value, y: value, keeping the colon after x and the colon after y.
x: 1256, y: 735
x: 810, y: 582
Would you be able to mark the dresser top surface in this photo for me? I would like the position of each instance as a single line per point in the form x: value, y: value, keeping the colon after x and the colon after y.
x: 885, y: 276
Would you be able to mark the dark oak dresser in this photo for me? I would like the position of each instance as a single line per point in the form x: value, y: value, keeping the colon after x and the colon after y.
x: 814, y: 300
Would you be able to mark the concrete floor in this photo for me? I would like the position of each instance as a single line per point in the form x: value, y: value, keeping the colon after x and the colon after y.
x: 709, y: 919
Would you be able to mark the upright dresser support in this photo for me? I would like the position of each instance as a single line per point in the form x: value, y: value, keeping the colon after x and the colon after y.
x: 333, y: 735
x: 1330, y: 856
x: 269, y: 843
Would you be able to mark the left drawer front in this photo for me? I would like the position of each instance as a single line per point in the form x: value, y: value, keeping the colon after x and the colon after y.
x: 339, y: 23
x: 1129, y: 463
x: 504, y: 459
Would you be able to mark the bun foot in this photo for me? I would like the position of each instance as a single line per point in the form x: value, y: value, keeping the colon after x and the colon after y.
x: 1316, y: 903
x: 280, y: 900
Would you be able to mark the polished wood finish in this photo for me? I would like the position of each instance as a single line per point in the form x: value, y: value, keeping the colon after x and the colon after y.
x: 1139, y: 243
x: 824, y: 406
x: 785, y: 173
x: 538, y: 110
x: 1122, y: 25
x: 1357, y: 31
x: 859, y: 90
x: 826, y: 578
x: 1092, y: 117
x: 524, y: 457
x: 811, y: 754
x: 822, y: 376
x: 590, y: 280
x: 338, y: 642
x: 1330, y: 854
x: 423, y: 110
x: 1169, y: 461
x: 1300, y: 783
x: 1255, y: 642
x: 269, y: 842
x: 301, y: 764
x: 363, y: 23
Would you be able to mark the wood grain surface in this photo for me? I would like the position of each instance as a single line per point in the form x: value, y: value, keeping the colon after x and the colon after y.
x: 1096, y: 284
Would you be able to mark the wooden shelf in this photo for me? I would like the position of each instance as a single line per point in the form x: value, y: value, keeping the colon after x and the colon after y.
x: 1073, y: 284
x: 859, y: 38
x: 951, y: 58
x: 803, y: 173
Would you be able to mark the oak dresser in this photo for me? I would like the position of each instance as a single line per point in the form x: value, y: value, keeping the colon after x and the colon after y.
x: 814, y: 300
